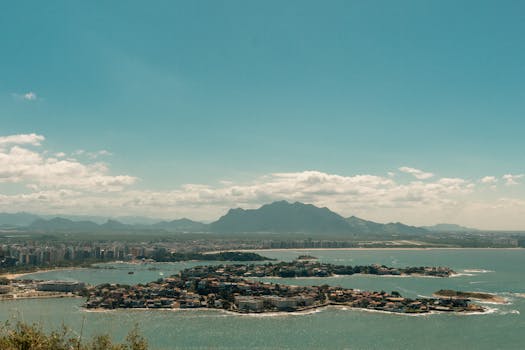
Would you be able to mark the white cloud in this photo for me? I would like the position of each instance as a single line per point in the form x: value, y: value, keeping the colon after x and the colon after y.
x: 418, y: 174
x: 92, y: 155
x: 21, y: 139
x: 30, y: 96
x: 95, y: 155
x: 372, y: 197
x: 344, y: 194
x: 19, y: 164
x: 489, y: 180
x: 104, y: 153
x: 27, y: 96
x: 512, y: 179
x: 45, y: 181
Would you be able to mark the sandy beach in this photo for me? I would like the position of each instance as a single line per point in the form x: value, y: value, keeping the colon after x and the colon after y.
x: 356, y: 249
x: 12, y: 276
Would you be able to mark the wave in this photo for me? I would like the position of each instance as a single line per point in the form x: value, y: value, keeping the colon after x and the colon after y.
x: 477, y: 271
x: 462, y: 274
x: 276, y: 314
x: 488, y: 311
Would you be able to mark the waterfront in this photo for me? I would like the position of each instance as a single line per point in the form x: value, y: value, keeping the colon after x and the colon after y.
x: 496, y: 271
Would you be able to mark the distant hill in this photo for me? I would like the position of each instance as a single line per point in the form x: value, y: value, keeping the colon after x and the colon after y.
x: 114, y: 225
x: 364, y: 226
x: 369, y: 227
x: 66, y: 225
x: 61, y: 225
x: 26, y: 219
x: 443, y: 228
x: 278, y: 217
x: 17, y: 219
x: 181, y: 225
x: 282, y: 217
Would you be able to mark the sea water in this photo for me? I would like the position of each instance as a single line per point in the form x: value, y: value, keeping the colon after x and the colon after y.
x: 500, y: 271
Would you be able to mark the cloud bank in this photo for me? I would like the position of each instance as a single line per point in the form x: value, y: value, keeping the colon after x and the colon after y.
x: 32, y: 180
x: 20, y: 164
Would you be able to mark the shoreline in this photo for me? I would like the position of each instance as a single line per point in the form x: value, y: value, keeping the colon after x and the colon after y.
x: 490, y: 299
x: 355, y: 248
x: 414, y: 275
x: 33, y: 297
x: 14, y: 276
x: 309, y: 311
x: 358, y: 249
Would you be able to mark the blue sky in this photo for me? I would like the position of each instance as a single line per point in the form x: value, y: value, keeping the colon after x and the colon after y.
x: 204, y: 92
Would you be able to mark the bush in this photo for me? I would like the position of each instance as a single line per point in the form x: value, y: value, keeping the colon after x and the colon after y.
x: 22, y: 336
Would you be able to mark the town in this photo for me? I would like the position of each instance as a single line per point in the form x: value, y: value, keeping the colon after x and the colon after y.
x: 221, y: 287
x: 309, y: 267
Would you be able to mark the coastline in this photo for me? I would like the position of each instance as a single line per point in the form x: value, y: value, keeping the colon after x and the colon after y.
x: 490, y: 299
x: 359, y: 249
x: 413, y: 275
x: 43, y: 296
x: 14, y: 276
x: 309, y: 311
x: 362, y: 248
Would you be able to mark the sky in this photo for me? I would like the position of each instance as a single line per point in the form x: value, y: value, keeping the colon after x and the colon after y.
x: 408, y: 111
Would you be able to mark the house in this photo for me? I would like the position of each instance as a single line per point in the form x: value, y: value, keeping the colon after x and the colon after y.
x: 249, y: 303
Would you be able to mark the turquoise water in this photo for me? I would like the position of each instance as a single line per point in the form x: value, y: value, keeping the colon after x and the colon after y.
x: 497, y: 271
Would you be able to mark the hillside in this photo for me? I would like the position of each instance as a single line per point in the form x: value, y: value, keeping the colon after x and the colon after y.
x: 282, y: 217
x: 447, y: 228
x: 181, y: 225
x: 278, y: 217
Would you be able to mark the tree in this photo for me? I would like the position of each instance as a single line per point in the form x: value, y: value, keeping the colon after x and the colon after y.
x: 22, y: 336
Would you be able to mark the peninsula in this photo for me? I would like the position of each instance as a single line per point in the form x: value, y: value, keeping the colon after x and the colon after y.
x: 308, y: 267
x: 455, y: 294
x: 223, y: 288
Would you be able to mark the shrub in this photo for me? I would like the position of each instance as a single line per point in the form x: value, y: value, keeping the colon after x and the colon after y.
x: 22, y: 336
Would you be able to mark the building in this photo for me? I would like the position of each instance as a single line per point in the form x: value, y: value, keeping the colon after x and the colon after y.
x: 60, y: 286
x: 5, y: 289
x: 249, y: 303
x: 282, y: 303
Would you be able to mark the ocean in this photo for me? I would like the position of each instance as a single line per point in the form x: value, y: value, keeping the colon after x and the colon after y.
x: 500, y: 271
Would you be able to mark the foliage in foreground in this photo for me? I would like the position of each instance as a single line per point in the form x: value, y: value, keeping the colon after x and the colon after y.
x: 32, y: 337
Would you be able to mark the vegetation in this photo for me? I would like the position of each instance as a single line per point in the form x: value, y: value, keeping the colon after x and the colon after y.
x: 222, y: 256
x: 22, y: 336
x: 466, y: 295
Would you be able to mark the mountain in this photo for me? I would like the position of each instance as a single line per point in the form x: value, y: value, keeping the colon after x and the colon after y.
x: 282, y: 217
x: 181, y: 225
x: 364, y: 226
x: 61, y: 224
x: 449, y: 228
x: 277, y: 217
x: 17, y: 219
x: 397, y: 228
x: 114, y: 225
x: 369, y: 227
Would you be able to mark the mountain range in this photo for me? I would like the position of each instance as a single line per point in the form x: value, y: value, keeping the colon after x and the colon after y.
x: 277, y: 217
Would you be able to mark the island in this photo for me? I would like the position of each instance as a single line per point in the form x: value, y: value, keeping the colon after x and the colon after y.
x: 223, y: 288
x: 455, y: 294
x: 220, y: 256
x: 306, y: 257
x: 313, y: 268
